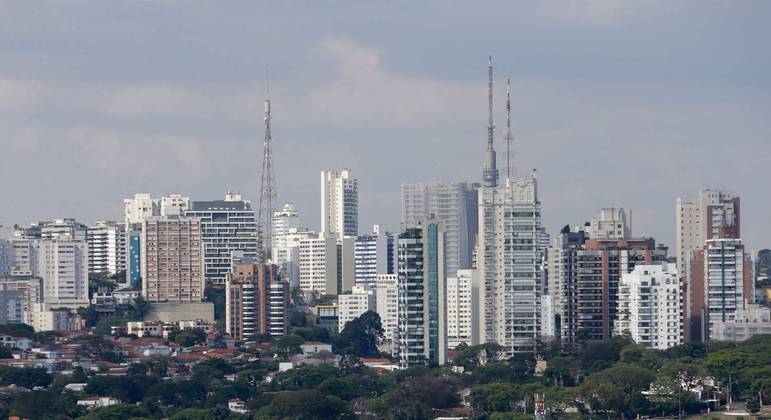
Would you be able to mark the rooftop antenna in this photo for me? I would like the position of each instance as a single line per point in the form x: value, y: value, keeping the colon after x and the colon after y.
x: 268, y: 194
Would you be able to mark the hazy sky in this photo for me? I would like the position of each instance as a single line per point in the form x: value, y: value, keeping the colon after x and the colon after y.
x: 615, y: 103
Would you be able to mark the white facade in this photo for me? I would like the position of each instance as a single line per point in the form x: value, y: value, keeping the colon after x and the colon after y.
x: 752, y: 320
x: 61, y: 263
x: 143, y: 206
x: 387, y: 304
x: 452, y: 203
x: 373, y: 254
x: 46, y: 317
x: 107, y: 248
x: 352, y: 305
x: 318, y: 264
x: 462, y: 301
x: 509, y: 259
x: 548, y: 329
x: 613, y: 223
x: 724, y: 288
x: 699, y: 219
x: 286, y: 252
x: 651, y: 306
x: 339, y: 203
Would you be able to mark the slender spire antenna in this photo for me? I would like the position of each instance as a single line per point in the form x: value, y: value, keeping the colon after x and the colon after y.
x: 490, y: 172
x: 509, y: 137
x: 268, y: 194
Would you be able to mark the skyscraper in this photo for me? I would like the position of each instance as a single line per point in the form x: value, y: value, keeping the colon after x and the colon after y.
x: 650, y: 306
x: 509, y: 258
x: 700, y: 219
x: 613, y: 223
x: 339, y: 203
x: 227, y: 225
x: 107, y: 248
x: 373, y: 255
x: 256, y: 302
x: 422, y: 331
x: 455, y: 205
x: 172, y: 259
x: 462, y: 302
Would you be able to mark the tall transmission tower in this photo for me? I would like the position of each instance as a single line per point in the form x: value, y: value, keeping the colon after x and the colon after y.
x: 268, y: 194
x: 490, y: 172
x: 509, y: 137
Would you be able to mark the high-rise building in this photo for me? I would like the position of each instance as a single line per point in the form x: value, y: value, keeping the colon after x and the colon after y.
x: 143, y: 206
x: 387, y: 305
x: 721, y: 284
x: 227, y: 225
x: 53, y: 229
x: 700, y: 219
x: 650, y: 306
x: 613, y: 223
x: 286, y: 252
x: 373, y: 255
x: 107, y: 248
x: 751, y: 320
x: 562, y: 266
x: 509, y: 257
x: 353, y: 304
x: 455, y: 205
x: 462, y: 304
x: 339, y: 203
x: 422, y: 331
x: 61, y: 263
x: 11, y: 305
x: 318, y: 264
x: 256, y: 302
x: 283, y: 221
x: 599, y: 265
x: 30, y: 288
x: 134, y: 256
x: 326, y: 264
x: 172, y: 260
x: 6, y: 257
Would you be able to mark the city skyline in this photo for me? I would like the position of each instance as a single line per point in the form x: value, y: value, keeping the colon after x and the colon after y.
x: 665, y: 120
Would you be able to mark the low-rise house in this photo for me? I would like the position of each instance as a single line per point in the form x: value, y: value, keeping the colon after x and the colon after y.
x: 312, y: 347
x: 237, y: 406
x: 75, y: 387
x: 10, y: 341
x: 95, y: 402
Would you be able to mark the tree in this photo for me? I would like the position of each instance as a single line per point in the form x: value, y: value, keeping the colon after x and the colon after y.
x: 303, y: 377
x: 188, y: 338
x: 613, y: 390
x: 287, y: 345
x: 139, y: 308
x: 25, y: 377
x: 361, y: 335
x: 727, y: 365
x: 350, y: 363
x: 123, y: 389
x: 117, y: 412
x: 753, y: 406
x: 496, y: 397
x: 306, y: 404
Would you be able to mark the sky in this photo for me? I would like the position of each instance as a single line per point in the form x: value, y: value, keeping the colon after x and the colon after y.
x: 615, y: 103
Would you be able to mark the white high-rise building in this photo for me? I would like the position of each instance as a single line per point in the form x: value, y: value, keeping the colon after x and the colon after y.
x: 387, y: 304
x: 143, y: 206
x: 651, y: 306
x: 61, y: 263
x: 462, y: 301
x: 286, y: 252
x: 227, y: 225
x: 373, y: 255
x: 107, y: 248
x: 455, y: 204
x: 318, y: 264
x: 509, y: 259
x: 352, y: 305
x: 339, y: 203
x: 613, y: 223
x: 700, y: 219
x: 283, y: 221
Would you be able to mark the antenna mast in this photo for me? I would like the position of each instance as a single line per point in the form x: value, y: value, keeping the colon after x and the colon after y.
x: 490, y: 172
x: 509, y: 137
x: 268, y: 194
